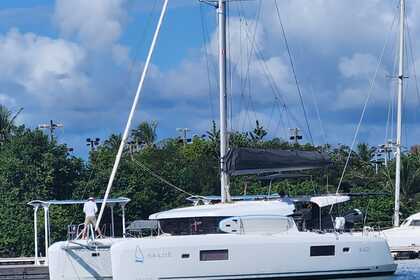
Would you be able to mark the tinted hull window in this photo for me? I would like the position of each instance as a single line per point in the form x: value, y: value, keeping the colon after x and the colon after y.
x: 317, y: 251
x: 214, y: 255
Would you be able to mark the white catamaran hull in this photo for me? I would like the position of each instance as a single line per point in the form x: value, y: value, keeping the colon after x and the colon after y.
x: 403, y: 238
x: 81, y: 259
x: 243, y: 256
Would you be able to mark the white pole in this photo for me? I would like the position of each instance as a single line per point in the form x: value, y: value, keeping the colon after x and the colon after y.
x: 36, y: 234
x: 46, y: 233
x: 112, y: 220
x: 224, y: 177
x: 123, y: 219
x: 130, y: 117
x: 399, y: 117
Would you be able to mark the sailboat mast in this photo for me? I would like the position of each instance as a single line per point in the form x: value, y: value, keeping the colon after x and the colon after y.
x: 224, y: 177
x: 399, y: 116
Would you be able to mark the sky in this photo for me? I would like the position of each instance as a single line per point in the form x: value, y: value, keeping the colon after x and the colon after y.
x: 78, y: 63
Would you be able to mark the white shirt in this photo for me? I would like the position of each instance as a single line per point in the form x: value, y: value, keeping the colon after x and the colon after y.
x: 90, y: 208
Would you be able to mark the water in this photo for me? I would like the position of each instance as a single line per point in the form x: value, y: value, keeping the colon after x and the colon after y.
x: 407, y: 270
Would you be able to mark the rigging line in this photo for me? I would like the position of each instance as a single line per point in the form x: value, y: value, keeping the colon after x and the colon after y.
x: 132, y: 111
x: 262, y: 60
x: 84, y: 189
x: 230, y: 71
x: 390, y: 121
x: 321, y: 125
x: 206, y: 57
x: 139, y: 44
x: 246, y: 82
x: 145, y: 168
x: 267, y: 73
x: 281, y: 121
x: 371, y: 87
x: 252, y: 41
x: 271, y: 115
x: 294, y: 72
x: 413, y: 61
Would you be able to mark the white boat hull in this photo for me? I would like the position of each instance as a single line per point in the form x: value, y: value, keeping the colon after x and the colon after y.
x: 80, y: 259
x: 403, y: 239
x: 250, y: 257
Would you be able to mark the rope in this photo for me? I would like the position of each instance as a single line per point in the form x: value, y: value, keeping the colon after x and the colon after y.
x: 321, y: 125
x: 145, y: 168
x: 206, y: 57
x: 413, y: 60
x: 371, y: 87
x: 302, y: 103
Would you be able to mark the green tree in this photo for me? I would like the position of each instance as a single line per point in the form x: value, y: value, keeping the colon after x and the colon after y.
x: 145, y: 133
x: 6, y: 123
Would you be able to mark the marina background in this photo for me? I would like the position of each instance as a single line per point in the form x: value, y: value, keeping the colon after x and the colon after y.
x: 34, y: 167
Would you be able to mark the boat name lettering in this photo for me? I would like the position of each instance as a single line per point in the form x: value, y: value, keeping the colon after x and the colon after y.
x: 159, y: 254
x: 364, y: 249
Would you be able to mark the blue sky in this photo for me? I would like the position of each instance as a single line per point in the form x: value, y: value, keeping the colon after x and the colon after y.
x: 78, y: 62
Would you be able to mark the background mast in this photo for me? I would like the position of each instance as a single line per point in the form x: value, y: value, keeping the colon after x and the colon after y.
x: 224, y: 177
x: 399, y: 116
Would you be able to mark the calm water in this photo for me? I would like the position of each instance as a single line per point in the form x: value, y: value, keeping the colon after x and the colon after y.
x: 407, y: 270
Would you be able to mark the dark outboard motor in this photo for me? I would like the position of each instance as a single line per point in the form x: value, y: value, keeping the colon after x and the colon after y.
x: 352, y: 217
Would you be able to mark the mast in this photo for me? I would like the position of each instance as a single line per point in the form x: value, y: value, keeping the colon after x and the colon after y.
x: 224, y: 177
x: 399, y: 116
x: 132, y: 111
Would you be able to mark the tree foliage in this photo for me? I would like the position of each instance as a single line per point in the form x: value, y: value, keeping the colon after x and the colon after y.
x: 33, y: 167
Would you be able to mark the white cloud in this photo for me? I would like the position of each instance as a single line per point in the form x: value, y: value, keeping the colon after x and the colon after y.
x: 40, y: 64
x: 96, y: 23
x: 358, y: 66
x: 327, y: 26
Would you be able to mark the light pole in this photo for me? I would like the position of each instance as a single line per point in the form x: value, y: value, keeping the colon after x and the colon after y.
x: 92, y: 143
x: 295, y: 135
x: 51, y: 127
x: 184, y: 135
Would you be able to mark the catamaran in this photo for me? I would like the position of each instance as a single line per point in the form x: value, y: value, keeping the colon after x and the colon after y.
x: 245, y: 239
x: 404, y: 238
x: 230, y: 237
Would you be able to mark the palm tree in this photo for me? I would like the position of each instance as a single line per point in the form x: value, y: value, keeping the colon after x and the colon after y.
x: 259, y: 132
x: 6, y: 123
x: 365, y: 152
x: 145, y: 133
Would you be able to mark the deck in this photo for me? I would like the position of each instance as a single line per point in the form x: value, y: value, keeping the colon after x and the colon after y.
x: 23, y: 268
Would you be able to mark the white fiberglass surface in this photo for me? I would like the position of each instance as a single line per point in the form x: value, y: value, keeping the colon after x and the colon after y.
x: 248, y: 254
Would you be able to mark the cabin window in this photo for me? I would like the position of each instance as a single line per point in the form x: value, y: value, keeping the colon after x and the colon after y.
x: 214, y: 255
x: 317, y: 251
x: 415, y: 223
x: 191, y: 226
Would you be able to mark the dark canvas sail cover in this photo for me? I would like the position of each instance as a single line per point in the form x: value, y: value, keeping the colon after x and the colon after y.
x: 243, y: 161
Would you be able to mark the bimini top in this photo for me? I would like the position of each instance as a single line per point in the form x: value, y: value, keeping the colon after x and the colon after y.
x: 280, y: 206
x: 320, y: 200
x: 239, y: 208
x: 48, y: 203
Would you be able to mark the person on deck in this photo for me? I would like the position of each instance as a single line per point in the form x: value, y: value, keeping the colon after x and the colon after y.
x: 90, y: 209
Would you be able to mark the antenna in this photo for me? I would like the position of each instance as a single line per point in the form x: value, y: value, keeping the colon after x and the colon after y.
x: 51, y: 127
